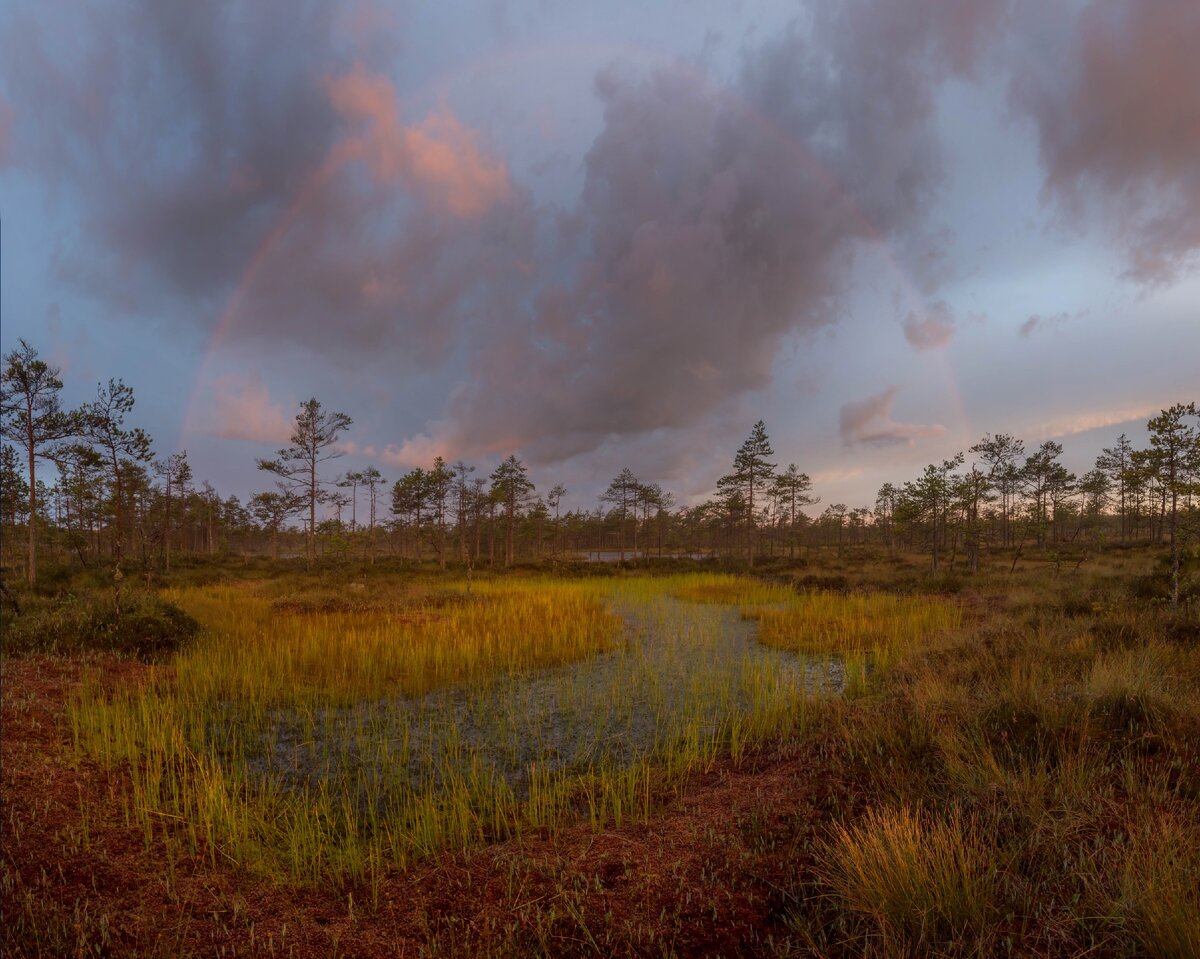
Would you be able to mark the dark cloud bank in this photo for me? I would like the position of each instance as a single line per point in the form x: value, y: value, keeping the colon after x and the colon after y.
x: 259, y: 157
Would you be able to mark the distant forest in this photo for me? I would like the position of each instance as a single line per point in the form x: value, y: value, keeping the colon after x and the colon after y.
x: 112, y: 500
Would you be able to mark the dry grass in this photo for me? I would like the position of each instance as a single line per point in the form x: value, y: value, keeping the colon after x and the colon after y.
x: 1160, y: 886
x: 919, y: 878
x: 727, y: 589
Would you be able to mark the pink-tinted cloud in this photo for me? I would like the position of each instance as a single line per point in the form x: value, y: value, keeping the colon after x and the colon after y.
x: 352, y: 448
x: 1071, y: 423
x: 931, y: 330
x: 1118, y: 120
x: 869, y: 422
x: 243, y: 410
x: 836, y: 476
x: 420, y: 450
x: 717, y: 219
x: 440, y: 156
x: 447, y: 156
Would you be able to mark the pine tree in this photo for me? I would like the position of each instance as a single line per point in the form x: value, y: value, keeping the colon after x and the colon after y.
x: 271, y: 509
x: 440, y: 480
x: 793, y: 489
x: 103, y: 425
x: 751, y: 476
x: 31, y: 417
x: 14, y: 496
x: 313, y: 439
x: 176, y: 473
x: 409, y: 496
x: 511, y: 486
x: 621, y: 494
x: 1174, y: 453
x: 1116, y: 462
x: 373, y: 480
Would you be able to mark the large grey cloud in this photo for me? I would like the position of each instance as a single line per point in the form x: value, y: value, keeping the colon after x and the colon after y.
x: 1117, y: 111
x: 257, y: 152
x: 716, y: 220
x: 256, y: 161
x: 241, y: 164
x: 184, y: 129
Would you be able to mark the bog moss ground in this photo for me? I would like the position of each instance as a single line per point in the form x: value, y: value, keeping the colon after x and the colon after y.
x: 954, y: 766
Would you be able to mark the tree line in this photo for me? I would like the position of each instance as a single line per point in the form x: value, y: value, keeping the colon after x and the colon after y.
x: 111, y: 498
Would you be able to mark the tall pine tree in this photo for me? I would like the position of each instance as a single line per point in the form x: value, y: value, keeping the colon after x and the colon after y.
x: 752, y: 474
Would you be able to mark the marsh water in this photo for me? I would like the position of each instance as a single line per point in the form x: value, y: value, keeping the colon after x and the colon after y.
x: 633, y: 555
x: 682, y: 671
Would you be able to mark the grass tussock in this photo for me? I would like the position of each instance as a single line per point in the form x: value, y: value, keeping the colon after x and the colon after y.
x: 1159, y: 902
x: 918, y: 878
x: 1129, y: 691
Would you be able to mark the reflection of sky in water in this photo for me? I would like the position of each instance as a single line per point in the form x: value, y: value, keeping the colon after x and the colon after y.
x: 684, y: 666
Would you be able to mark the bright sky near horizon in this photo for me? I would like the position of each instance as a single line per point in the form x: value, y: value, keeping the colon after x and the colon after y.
x: 609, y: 234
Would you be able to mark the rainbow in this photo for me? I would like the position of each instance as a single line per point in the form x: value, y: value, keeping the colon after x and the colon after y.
x: 438, y: 90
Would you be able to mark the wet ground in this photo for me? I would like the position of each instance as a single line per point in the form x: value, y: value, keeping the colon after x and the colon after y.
x: 684, y: 670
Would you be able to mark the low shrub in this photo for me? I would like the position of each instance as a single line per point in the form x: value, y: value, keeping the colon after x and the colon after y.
x: 146, y: 628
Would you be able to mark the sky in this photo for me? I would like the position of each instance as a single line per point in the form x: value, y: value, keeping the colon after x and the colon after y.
x: 608, y: 235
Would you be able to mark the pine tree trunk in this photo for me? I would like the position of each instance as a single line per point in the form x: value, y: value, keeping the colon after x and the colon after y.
x: 31, y: 567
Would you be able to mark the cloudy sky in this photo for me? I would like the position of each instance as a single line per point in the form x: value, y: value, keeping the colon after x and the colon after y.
x: 609, y: 234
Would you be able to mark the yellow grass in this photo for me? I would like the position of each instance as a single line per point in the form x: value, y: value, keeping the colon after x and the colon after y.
x: 298, y: 736
x: 726, y: 588
x: 917, y: 876
x: 256, y: 653
x: 832, y: 623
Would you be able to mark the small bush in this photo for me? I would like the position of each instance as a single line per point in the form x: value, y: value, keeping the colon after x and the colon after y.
x: 147, y: 628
